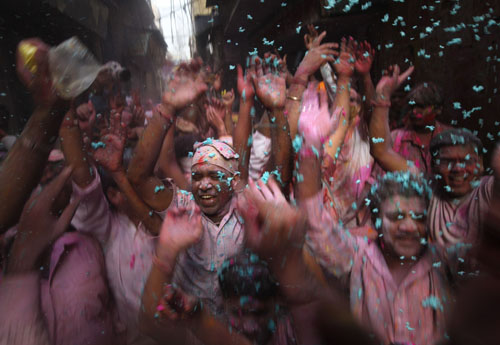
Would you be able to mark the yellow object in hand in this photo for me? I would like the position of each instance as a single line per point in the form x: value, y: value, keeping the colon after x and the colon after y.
x: 28, y: 51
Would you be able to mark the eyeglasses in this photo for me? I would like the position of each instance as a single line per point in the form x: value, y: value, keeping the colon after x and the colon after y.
x: 459, y: 162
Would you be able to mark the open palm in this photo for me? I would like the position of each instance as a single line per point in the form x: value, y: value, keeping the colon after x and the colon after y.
x: 185, y: 85
x: 181, y: 228
x: 315, y: 122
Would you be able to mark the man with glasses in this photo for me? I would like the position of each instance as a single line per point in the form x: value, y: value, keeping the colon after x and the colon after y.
x: 461, y: 195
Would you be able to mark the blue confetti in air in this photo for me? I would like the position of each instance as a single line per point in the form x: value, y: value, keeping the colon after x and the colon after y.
x: 478, y: 88
x: 366, y: 5
x: 467, y: 114
x: 98, y: 144
x: 454, y: 41
x: 266, y: 42
x: 299, y: 26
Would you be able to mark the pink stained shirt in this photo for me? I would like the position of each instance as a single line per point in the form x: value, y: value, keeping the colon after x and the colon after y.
x: 406, y: 142
x: 197, y: 268
x: 453, y: 221
x: 128, y: 252
x: 415, y: 311
x: 21, y: 321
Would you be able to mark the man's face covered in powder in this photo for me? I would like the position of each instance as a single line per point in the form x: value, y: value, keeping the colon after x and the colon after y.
x: 459, y: 169
x: 403, y: 225
x: 212, y: 189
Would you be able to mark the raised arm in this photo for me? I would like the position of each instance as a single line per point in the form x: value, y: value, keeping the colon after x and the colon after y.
x: 276, y: 231
x: 75, y: 155
x: 332, y: 246
x: 242, y: 135
x: 110, y: 157
x: 316, y: 55
x: 380, y: 135
x: 270, y: 87
x: 180, y: 229
x: 23, y: 167
x: 167, y: 165
x: 344, y: 67
x: 21, y: 319
x: 364, y: 59
x: 228, y: 100
x: 183, y: 88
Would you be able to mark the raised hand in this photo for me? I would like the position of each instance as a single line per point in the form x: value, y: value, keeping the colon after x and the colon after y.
x: 218, y: 108
x: 109, y: 154
x: 127, y: 117
x: 228, y: 99
x: 185, y: 85
x: 215, y: 116
x: 315, y: 57
x: 176, y: 304
x: 85, y: 113
x: 315, y: 123
x: 245, y: 85
x: 311, y: 39
x: 364, y: 57
x: 269, y: 81
x: 32, y: 64
x: 391, y: 80
x: 273, y: 227
x: 181, y: 229
x: 344, y: 66
x: 38, y: 226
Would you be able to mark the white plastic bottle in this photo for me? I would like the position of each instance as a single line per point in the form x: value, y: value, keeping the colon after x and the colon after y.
x: 73, y: 68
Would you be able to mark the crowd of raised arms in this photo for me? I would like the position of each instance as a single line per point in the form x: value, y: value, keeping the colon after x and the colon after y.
x: 307, y: 217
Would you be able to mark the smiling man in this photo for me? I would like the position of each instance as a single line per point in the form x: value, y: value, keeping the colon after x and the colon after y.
x: 395, y: 288
x: 214, y: 177
x: 213, y: 171
x: 462, y: 195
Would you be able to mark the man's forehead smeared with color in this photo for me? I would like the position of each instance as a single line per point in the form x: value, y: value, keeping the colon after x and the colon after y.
x: 217, y: 153
x: 214, y: 169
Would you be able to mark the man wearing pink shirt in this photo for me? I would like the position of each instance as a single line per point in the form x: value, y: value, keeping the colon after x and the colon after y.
x: 398, y: 284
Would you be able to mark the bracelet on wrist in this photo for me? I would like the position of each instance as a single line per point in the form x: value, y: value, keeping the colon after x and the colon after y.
x: 293, y: 98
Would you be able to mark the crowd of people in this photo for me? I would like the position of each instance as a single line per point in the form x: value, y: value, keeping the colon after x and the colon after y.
x: 308, y: 217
